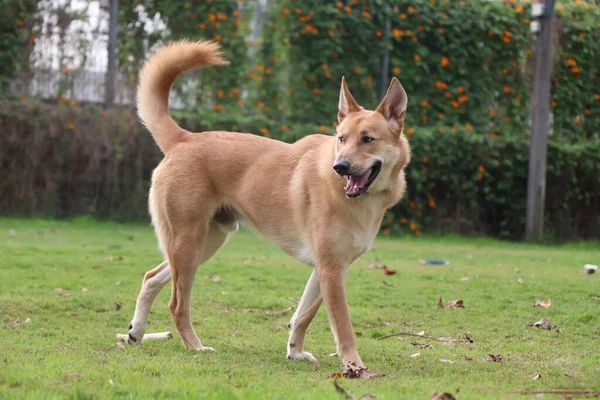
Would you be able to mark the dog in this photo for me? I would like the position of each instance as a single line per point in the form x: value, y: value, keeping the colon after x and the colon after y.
x: 321, y: 199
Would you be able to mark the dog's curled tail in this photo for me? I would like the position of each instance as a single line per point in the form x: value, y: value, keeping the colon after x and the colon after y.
x: 156, y: 79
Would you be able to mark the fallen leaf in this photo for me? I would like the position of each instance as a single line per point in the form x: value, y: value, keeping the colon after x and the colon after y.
x: 97, y: 267
x: 422, y: 333
x: 27, y: 320
x: 520, y: 281
x: 595, y: 298
x: 118, y: 283
x: 368, y: 396
x: 416, y: 355
x: 455, y: 304
x: 442, y: 396
x: 62, y: 292
x: 446, y: 361
x: 84, y: 289
x: 389, y: 284
x: 216, y: 278
x: 130, y: 238
x: 541, y: 303
x: 14, y: 323
x: 543, y: 323
x: 516, y: 271
x: 383, y: 322
x: 468, y: 337
x: 420, y: 345
x: 334, y: 375
x: 117, y: 306
x: 440, y: 303
x: 358, y: 334
x: 108, y: 258
x: 121, y: 343
x: 496, y: 357
x: 388, y: 271
x: 538, y: 376
x: 464, y: 279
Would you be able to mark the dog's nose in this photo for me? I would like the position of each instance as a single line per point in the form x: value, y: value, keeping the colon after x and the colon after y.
x: 341, y: 167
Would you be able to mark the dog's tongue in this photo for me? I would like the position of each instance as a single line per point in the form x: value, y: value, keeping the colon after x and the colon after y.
x: 356, y: 183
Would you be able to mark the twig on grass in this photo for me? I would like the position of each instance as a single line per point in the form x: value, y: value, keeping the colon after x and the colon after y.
x: 277, y: 314
x: 442, y: 339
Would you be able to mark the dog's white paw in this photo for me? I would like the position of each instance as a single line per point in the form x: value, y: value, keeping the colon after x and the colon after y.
x: 135, y: 336
x: 302, y: 356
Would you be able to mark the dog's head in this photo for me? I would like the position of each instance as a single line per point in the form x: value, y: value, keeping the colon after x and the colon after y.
x: 371, y: 149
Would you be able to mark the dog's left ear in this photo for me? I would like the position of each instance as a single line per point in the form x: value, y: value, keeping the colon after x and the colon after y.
x: 393, y: 105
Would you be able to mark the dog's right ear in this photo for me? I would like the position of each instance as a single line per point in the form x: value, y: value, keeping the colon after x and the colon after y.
x: 347, y: 103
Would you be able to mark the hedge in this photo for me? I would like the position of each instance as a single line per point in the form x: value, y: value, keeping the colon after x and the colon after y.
x: 66, y: 160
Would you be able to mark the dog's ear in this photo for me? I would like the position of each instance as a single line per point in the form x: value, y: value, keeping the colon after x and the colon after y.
x: 393, y: 105
x: 347, y: 103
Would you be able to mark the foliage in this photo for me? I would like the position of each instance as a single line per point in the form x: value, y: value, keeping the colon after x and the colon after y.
x: 220, y: 20
x: 470, y: 183
x: 463, y: 64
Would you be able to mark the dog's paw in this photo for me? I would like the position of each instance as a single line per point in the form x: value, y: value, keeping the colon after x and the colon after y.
x: 351, y: 370
x: 302, y: 356
x: 133, y: 336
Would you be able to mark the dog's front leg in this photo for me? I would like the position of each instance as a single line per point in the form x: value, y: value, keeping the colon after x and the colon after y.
x: 331, y: 279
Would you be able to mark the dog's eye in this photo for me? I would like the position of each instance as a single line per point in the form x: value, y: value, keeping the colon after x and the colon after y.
x: 341, y: 139
x: 367, y: 139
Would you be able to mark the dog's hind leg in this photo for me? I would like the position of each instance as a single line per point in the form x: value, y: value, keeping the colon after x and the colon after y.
x: 306, y: 311
x: 184, y: 257
x: 154, y: 281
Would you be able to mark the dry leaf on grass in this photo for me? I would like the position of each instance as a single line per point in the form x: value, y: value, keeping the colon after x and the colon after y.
x: 451, y: 304
x: 217, y: 278
x: 97, y: 267
x: 538, y: 376
x: 13, y: 324
x: 543, y: 323
x: 446, y: 361
x: 468, y: 338
x: 595, y: 298
x: 416, y: 355
x: 117, y: 306
x: 388, y: 271
x: 496, y: 357
x: 520, y: 281
x: 544, y: 304
x: 334, y: 375
x: 62, y: 292
x: 358, y: 334
x: 389, y: 284
x: 442, y: 396
x: 118, y: 283
x: 130, y: 238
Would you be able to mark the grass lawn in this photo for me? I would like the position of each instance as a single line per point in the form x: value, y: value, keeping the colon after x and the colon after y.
x: 68, y: 349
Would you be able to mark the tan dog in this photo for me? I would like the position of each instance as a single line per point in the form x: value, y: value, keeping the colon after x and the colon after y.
x: 321, y: 199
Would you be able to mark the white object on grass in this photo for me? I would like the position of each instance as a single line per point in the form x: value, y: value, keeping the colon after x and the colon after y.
x: 148, y: 336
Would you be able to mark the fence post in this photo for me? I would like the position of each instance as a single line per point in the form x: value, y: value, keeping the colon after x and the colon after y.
x: 540, y: 116
x: 111, y: 70
x: 385, y: 59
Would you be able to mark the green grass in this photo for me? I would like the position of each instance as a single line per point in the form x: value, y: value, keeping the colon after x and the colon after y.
x: 68, y: 350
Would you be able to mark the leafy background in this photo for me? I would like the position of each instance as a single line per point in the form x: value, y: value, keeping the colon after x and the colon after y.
x: 467, y: 67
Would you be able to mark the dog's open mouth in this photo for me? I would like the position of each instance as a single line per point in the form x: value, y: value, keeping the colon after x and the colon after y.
x: 357, y: 185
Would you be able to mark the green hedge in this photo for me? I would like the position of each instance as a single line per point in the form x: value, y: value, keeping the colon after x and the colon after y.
x: 468, y: 183
x: 66, y: 160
